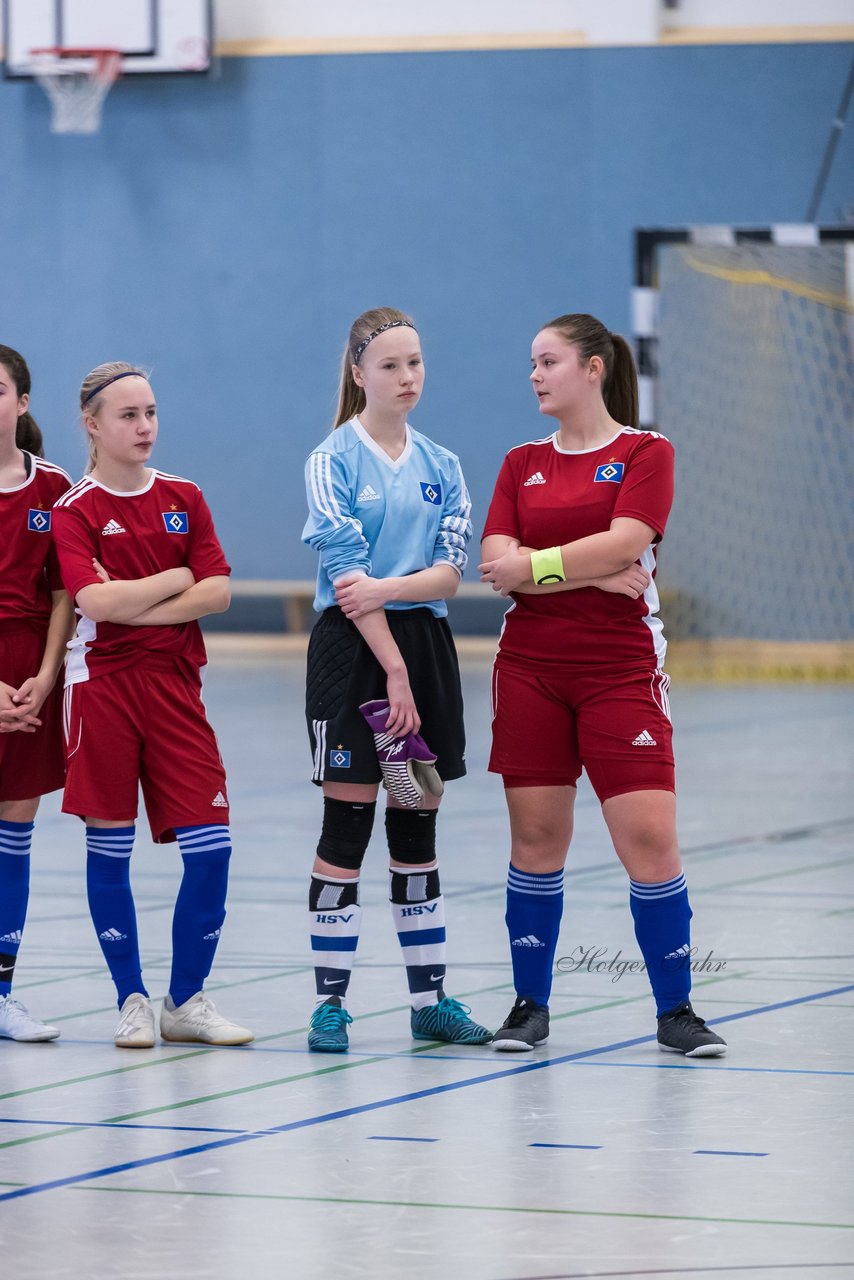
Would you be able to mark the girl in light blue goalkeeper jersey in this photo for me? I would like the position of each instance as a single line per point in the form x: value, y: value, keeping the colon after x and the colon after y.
x: 389, y: 518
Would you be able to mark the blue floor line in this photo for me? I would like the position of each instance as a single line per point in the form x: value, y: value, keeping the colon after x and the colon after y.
x: 566, y: 1146
x: 382, y: 1137
x: 325, y: 1118
x: 696, y: 1064
x: 106, y: 1124
x: 703, y: 1152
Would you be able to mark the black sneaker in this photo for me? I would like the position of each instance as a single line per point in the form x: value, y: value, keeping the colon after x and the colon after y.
x: 681, y: 1031
x: 526, y: 1025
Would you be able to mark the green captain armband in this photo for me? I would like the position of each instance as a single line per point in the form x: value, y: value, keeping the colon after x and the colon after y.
x: 547, y: 566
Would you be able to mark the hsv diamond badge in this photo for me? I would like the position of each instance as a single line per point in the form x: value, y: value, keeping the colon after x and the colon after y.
x: 612, y: 471
x: 431, y: 493
x: 176, y: 521
x: 38, y: 521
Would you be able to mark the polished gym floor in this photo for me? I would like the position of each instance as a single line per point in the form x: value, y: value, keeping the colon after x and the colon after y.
x: 595, y: 1155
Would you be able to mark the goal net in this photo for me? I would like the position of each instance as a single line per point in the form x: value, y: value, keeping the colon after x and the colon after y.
x: 752, y: 354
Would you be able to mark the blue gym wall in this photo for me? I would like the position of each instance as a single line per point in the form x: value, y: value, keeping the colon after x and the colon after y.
x: 225, y: 231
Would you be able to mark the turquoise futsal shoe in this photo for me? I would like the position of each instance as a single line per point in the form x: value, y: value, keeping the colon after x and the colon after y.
x: 449, y: 1021
x: 327, y: 1031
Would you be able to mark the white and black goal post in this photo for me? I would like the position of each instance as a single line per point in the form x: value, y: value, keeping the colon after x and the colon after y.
x: 745, y: 345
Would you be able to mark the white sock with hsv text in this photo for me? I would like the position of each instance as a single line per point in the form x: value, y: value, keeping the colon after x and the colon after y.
x: 418, y: 910
x: 336, y: 918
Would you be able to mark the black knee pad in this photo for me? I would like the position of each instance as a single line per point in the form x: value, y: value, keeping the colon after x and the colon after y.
x: 346, y: 832
x: 411, y: 835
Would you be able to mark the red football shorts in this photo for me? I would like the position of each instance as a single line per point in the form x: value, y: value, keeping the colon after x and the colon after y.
x: 547, y: 725
x: 31, y: 764
x: 143, y: 726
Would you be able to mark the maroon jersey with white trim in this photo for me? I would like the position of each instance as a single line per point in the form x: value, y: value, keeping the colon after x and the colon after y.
x: 165, y: 525
x: 546, y: 497
x: 29, y: 570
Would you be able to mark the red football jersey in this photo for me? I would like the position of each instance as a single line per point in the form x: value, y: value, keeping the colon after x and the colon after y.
x: 133, y: 535
x: 29, y: 570
x: 546, y: 497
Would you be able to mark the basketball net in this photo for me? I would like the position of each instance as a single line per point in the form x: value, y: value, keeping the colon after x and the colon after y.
x: 76, y: 81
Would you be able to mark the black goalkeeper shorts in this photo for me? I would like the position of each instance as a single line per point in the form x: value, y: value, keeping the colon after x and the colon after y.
x: 342, y: 673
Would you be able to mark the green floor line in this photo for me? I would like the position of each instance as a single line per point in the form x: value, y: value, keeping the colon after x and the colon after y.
x: 100, y: 1075
x: 55, y: 982
x: 292, y: 1079
x: 164, y: 1060
x: 466, y: 1208
x: 288, y: 972
x: 810, y: 868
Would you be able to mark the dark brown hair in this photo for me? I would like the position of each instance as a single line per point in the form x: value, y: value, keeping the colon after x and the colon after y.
x: 28, y: 434
x: 351, y: 398
x: 620, y: 380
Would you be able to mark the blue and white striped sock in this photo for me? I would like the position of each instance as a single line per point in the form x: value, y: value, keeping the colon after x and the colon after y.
x: 15, y: 841
x: 418, y: 911
x: 534, y: 910
x: 662, y: 917
x: 199, y: 908
x: 108, y: 851
x: 336, y: 919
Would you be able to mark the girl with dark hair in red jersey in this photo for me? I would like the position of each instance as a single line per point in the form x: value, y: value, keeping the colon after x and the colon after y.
x: 35, y: 621
x: 578, y: 680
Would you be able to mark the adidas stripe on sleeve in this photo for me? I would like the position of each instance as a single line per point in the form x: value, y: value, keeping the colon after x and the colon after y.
x: 331, y: 529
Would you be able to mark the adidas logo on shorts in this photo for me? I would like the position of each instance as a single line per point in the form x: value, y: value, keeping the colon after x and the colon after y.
x: 536, y: 478
x: 644, y: 739
x: 219, y: 801
x: 112, y: 526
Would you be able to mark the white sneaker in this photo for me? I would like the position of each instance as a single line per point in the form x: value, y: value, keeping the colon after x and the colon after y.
x: 197, y: 1020
x: 16, y: 1023
x: 136, y: 1023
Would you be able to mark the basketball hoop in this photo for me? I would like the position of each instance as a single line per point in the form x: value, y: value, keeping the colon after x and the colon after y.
x: 76, y: 81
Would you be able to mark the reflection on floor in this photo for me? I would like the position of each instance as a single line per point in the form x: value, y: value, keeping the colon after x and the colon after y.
x: 594, y: 1156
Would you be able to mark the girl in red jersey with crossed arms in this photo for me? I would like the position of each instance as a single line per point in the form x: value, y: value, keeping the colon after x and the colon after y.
x: 35, y: 621
x: 578, y: 680
x: 140, y: 558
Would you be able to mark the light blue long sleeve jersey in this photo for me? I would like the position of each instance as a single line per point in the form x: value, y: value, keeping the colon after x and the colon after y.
x: 387, y: 519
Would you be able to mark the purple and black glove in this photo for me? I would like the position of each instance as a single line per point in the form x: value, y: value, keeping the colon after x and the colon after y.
x: 408, y: 765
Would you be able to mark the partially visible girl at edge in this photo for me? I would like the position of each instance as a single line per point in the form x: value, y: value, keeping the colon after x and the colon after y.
x: 35, y: 622
x: 389, y: 517
x: 578, y: 678
x: 141, y: 560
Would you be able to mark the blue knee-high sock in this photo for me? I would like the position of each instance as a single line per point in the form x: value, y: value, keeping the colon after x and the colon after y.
x: 662, y: 917
x: 108, y: 852
x: 534, y: 909
x: 15, y: 841
x: 200, y: 907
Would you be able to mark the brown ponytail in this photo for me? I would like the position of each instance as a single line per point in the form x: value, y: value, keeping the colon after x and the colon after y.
x: 620, y: 381
x: 28, y: 435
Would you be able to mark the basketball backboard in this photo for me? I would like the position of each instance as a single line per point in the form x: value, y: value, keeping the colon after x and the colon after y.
x: 153, y: 36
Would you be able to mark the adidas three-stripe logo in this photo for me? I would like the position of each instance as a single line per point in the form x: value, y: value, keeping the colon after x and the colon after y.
x: 536, y: 478
x: 644, y: 739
